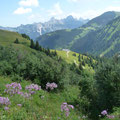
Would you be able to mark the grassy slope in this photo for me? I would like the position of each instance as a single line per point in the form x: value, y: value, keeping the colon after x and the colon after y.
x: 7, y: 38
x: 107, y: 38
x: 37, y: 107
x: 70, y: 58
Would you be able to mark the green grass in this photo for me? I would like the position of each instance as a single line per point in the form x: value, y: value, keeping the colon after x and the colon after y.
x: 7, y: 38
x: 47, y: 108
x: 70, y: 58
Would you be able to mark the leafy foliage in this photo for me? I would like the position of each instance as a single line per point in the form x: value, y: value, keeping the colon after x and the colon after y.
x: 37, y: 67
x: 102, y: 91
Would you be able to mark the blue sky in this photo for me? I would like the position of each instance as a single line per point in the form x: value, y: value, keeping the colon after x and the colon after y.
x: 16, y: 12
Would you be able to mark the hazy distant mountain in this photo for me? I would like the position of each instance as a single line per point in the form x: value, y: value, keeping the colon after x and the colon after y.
x: 100, y: 36
x: 37, y: 29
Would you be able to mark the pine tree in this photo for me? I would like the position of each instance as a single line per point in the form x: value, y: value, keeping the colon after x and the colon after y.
x: 16, y: 41
x: 37, y: 46
x: 80, y: 66
x: 40, y: 48
x: 79, y: 58
x: 55, y: 53
x: 32, y: 45
x: 83, y: 63
x: 47, y: 51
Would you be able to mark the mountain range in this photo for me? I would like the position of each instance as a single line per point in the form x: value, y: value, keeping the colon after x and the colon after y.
x: 36, y: 29
x: 100, y: 36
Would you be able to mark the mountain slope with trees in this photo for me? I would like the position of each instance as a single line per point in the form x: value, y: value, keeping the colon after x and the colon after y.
x: 66, y: 38
x: 81, y: 39
x: 36, y: 83
x: 107, y: 38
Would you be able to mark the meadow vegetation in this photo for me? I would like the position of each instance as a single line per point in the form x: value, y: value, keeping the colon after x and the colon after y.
x: 39, y: 84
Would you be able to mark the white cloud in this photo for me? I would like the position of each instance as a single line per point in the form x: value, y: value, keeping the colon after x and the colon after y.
x: 22, y: 10
x: 111, y: 8
x: 89, y: 14
x: 56, y: 11
x: 36, y: 18
x: 29, y: 3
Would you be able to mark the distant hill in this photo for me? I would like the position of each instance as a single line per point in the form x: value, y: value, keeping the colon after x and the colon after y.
x: 103, y: 42
x: 103, y: 19
x: 81, y: 39
x: 36, y: 29
x: 72, y: 57
x: 8, y: 38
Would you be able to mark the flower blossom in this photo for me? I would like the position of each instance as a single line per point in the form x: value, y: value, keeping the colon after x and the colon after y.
x: 104, y: 112
x: 51, y: 86
x: 4, y: 101
x: 66, y: 108
x: 13, y: 88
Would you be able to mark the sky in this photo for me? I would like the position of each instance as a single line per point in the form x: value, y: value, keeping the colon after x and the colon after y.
x: 16, y: 12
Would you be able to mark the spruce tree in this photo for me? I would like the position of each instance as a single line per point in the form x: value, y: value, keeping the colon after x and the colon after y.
x: 80, y: 67
x: 79, y: 58
x: 16, y: 41
x: 83, y: 63
x: 32, y: 45
x: 37, y: 46
x: 40, y: 48
x: 55, y: 53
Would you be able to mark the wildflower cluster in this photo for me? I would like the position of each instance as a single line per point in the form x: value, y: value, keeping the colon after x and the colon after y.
x: 32, y: 88
x: 25, y: 95
x: 4, y: 101
x: 66, y: 108
x: 20, y: 105
x: 104, y: 113
x: 13, y: 88
x: 51, y: 86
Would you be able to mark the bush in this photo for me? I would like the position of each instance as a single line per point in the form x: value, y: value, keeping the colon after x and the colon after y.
x: 37, y: 67
x: 101, y: 92
x: 108, y: 85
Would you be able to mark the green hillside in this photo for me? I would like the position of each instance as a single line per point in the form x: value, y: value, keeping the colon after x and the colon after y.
x: 21, y: 64
x: 67, y: 38
x: 72, y: 57
x: 107, y: 38
x: 9, y: 37
x: 43, y: 84
x: 103, y: 19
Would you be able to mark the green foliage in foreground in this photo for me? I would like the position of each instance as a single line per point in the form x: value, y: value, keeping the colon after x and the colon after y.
x: 95, y: 93
x: 36, y: 66
x: 101, y: 92
x: 42, y: 105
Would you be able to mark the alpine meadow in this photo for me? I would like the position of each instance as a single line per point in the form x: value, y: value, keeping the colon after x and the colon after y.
x: 60, y: 60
